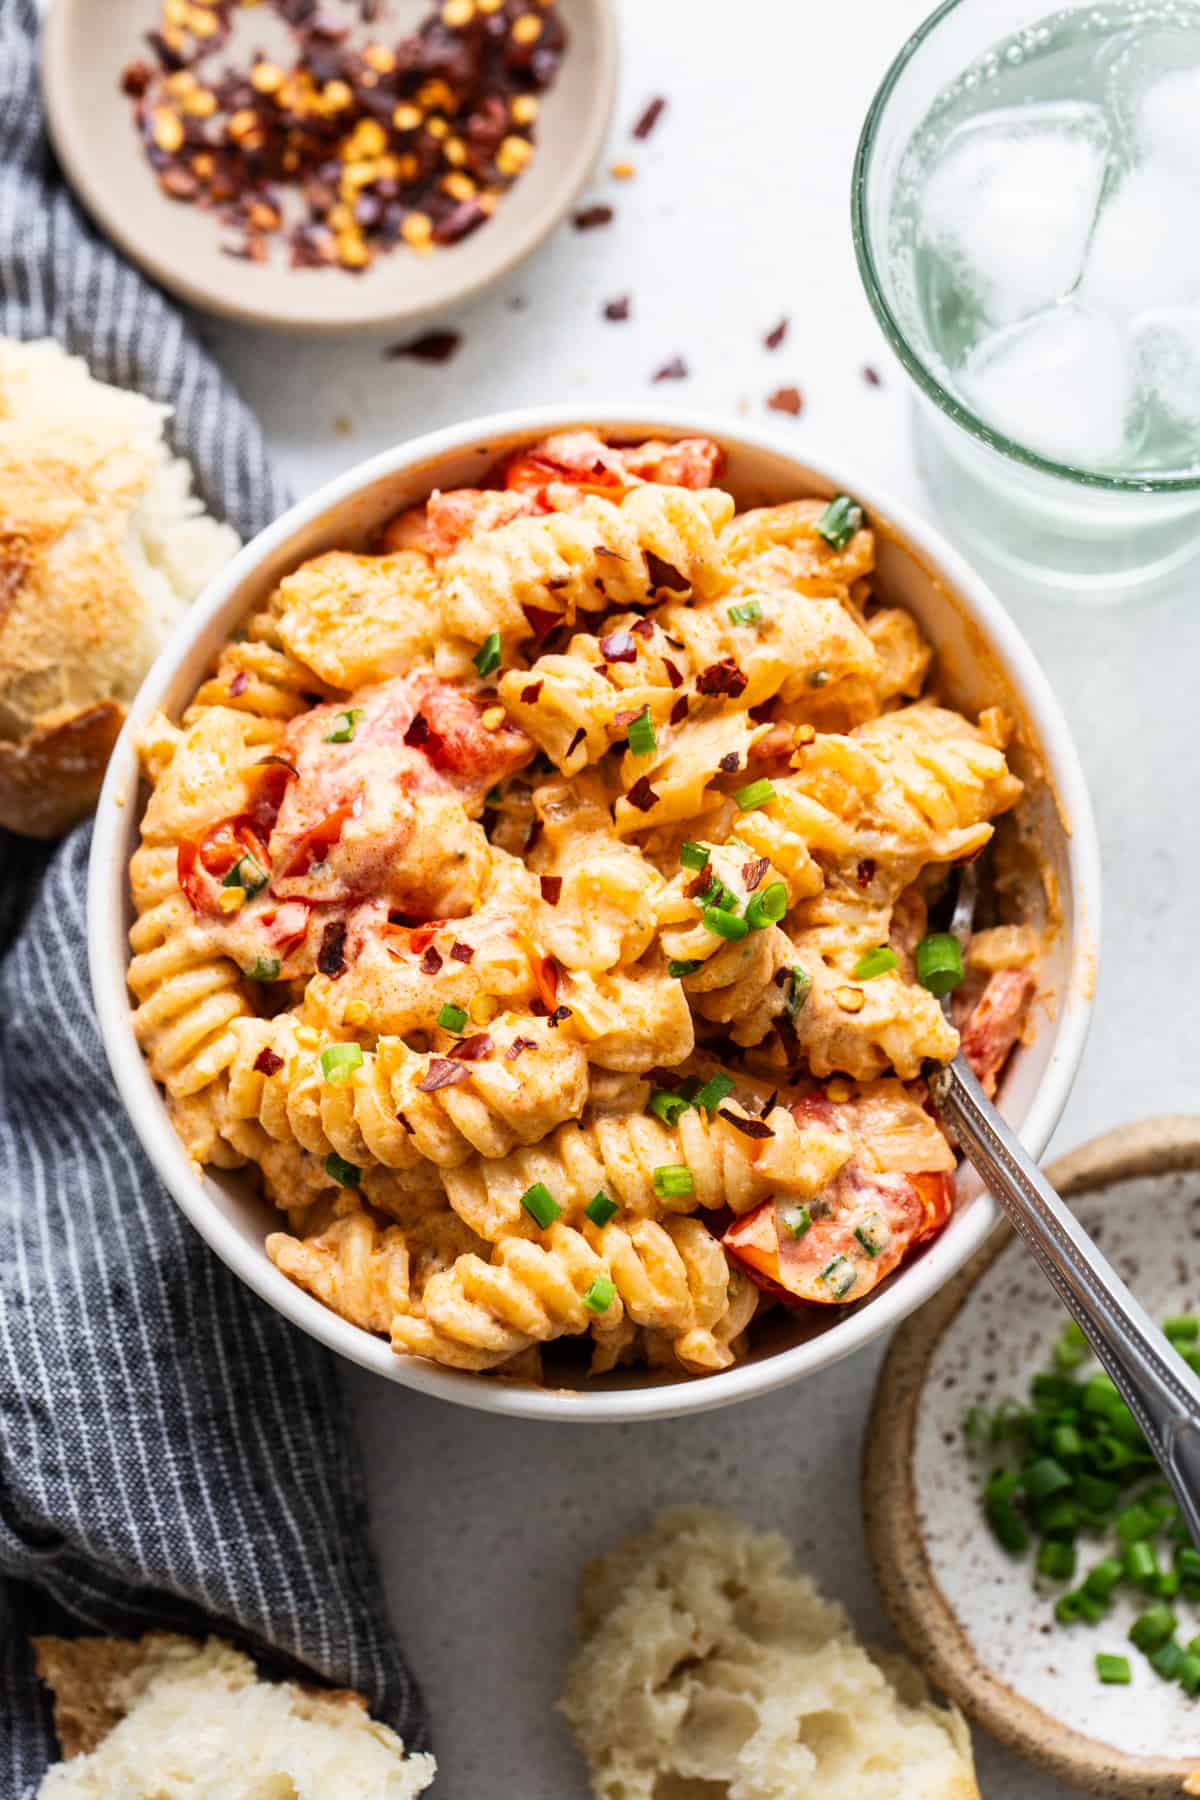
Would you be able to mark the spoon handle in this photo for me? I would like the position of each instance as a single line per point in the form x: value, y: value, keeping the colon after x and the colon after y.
x: 1156, y: 1384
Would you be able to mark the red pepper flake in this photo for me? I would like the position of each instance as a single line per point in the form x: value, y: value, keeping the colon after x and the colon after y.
x: 643, y: 629
x: 331, y: 957
x: 650, y: 117
x: 461, y: 952
x: 753, y: 872
x: 572, y: 747
x: 787, y: 400
x: 618, y: 310
x: 419, y: 732
x: 551, y: 889
x: 278, y: 762
x: 724, y: 677
x: 531, y: 691
x: 539, y: 1009
x: 558, y: 1015
x: 429, y: 347
x: 675, y: 369
x: 730, y: 763
x: 865, y: 872
x: 518, y: 1044
x: 402, y: 1119
x: 473, y: 1049
x: 267, y: 1063
x: 589, y: 217
x: 751, y: 1128
x: 679, y: 711
x: 431, y: 962
x: 664, y: 575
x: 698, y: 885
x: 674, y: 675
x: 776, y: 334
x: 240, y: 683
x: 642, y: 795
x: 768, y: 1105
x: 442, y: 1073
x: 871, y: 376
x: 621, y: 721
x: 542, y: 622
x: 618, y: 647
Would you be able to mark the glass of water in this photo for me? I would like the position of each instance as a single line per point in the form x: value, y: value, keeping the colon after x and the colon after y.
x: 1027, y: 222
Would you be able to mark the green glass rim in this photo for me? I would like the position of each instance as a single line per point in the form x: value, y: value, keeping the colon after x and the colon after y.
x: 928, y: 383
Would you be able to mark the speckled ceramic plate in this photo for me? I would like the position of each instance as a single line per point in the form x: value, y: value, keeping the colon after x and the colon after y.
x: 91, y: 125
x: 968, y: 1612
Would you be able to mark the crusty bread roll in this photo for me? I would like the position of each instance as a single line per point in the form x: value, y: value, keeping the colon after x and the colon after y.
x: 166, y: 1718
x: 710, y: 1664
x: 102, y: 546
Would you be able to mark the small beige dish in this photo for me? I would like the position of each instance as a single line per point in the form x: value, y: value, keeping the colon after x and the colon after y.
x: 971, y: 1615
x: 91, y: 124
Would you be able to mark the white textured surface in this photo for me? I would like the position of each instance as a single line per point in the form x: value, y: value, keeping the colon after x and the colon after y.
x: 738, y: 214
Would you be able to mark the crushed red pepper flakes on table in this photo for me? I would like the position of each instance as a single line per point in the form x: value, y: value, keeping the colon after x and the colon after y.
x: 413, y: 142
x: 776, y: 334
x: 674, y: 370
x: 649, y: 118
x: 618, y: 310
x: 871, y: 376
x: 430, y: 347
x: 787, y: 400
x: 589, y: 217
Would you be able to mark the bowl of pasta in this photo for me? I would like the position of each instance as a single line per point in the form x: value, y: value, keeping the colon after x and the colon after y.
x: 519, y: 900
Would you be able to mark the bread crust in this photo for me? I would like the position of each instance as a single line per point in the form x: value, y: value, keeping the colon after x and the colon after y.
x: 49, y: 781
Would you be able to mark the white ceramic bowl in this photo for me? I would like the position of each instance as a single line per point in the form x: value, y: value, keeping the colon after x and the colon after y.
x: 982, y: 660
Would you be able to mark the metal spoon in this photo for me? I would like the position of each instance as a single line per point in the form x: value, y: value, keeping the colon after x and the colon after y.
x: 1155, y: 1383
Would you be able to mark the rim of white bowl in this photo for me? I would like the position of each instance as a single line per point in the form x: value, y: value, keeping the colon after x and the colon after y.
x: 108, y: 949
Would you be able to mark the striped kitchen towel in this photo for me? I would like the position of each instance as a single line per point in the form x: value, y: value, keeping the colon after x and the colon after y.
x: 172, y: 1454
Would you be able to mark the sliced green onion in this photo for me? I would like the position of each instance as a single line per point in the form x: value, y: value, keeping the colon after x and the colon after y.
x: 642, y: 740
x: 1094, y: 1492
x: 755, y: 793
x: 1189, y: 1674
x: 339, y: 1062
x: 839, y: 522
x: 1089, y: 1608
x: 1136, y: 1522
x: 1100, y: 1395
x: 839, y: 1276
x: 977, y: 1426
x: 1004, y: 1484
x: 767, y: 907
x: 1056, y: 1560
x: 1182, y: 1328
x: 717, y: 1088
x: 747, y: 612
x: 796, y: 1220
x: 1187, y: 1561
x: 875, y: 962
x: 940, y: 962
x: 600, y: 1209
x: 452, y: 1018
x: 487, y: 657
x: 1153, y: 1627
x: 678, y: 968
x: 693, y: 855
x: 1045, y: 1477
x: 1068, y: 1355
x: 1066, y: 1607
x: 247, y: 874
x: 600, y: 1295
x: 1058, y: 1517
x: 1168, y: 1659
x: 1167, y: 1585
x: 1006, y: 1524
x: 1052, y: 1393
x: 673, y: 1180
x: 343, y: 1172
x: 1106, y: 1575
x: 725, y: 924
x: 667, y: 1106
x: 1114, y: 1671
x: 874, y: 1234
x: 799, y: 988
x: 541, y: 1205
x: 347, y: 725
x: 1141, y: 1564
x: 1066, y: 1443
x: 264, y: 968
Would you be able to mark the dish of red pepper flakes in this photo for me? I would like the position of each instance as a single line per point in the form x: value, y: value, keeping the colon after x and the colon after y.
x: 360, y: 145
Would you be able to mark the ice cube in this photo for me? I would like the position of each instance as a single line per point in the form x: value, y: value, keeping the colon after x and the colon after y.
x: 1166, y: 347
x: 1060, y: 383
x: 1011, y: 202
x: 1155, y: 88
x: 1145, y: 250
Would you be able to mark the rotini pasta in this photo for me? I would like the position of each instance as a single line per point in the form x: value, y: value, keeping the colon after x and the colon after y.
x: 538, y: 904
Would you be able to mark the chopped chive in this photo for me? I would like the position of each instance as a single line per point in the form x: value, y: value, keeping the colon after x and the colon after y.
x: 767, y: 907
x: 541, y: 1205
x: 343, y: 1172
x: 940, y: 962
x: 747, y: 612
x: 1066, y: 1443
x: 1182, y: 1328
x: 1135, y: 1522
x: 1004, y: 1484
x: 1167, y: 1585
x: 799, y: 988
x: 677, y: 969
x: 1045, y: 1477
x: 717, y: 1088
x: 600, y: 1209
x: 667, y: 1106
x: 247, y: 874
x: 1006, y: 1524
x: 1187, y: 1561
x: 673, y: 1180
x: 487, y: 657
x: 755, y: 793
x: 1168, y: 1659
x: 642, y: 740
x: 693, y: 855
x: 346, y: 726
x: 264, y: 968
x: 600, y: 1295
x: 1104, y: 1577
x: 875, y: 962
x: 1056, y: 1560
x: 725, y: 924
x: 839, y: 1276
x: 1094, y: 1492
x: 1114, y: 1671
x: 1153, y: 1627
x: 1090, y: 1609
x: 1141, y: 1564
x: 339, y: 1062
x: 452, y: 1018
x: 1058, y: 1517
x: 839, y: 521
x: 796, y: 1220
